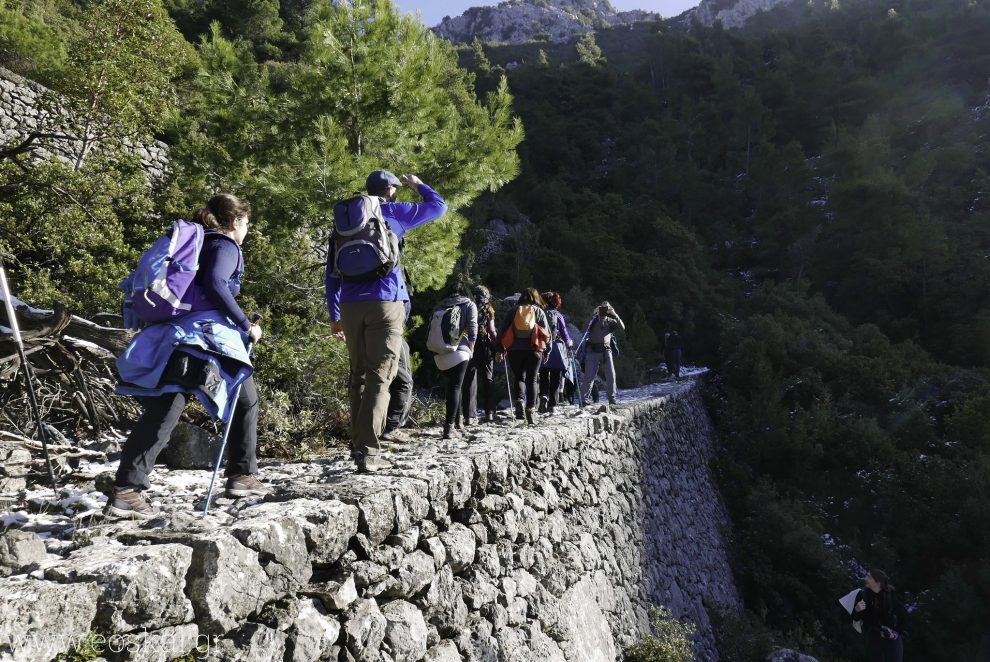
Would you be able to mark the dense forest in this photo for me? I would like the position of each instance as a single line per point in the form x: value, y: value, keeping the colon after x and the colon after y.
x: 805, y: 201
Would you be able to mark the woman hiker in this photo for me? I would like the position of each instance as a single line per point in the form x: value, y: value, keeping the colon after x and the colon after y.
x: 203, y: 353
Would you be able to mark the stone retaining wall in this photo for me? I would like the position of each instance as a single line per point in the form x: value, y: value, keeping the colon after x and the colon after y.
x: 21, y: 112
x: 549, y: 543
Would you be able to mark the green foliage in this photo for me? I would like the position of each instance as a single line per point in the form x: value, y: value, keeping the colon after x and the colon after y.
x: 671, y: 641
x: 804, y: 202
x: 104, y: 206
x: 30, y: 40
x: 117, y: 81
x: 371, y: 88
x: 91, y: 647
x: 741, y: 637
x: 588, y: 51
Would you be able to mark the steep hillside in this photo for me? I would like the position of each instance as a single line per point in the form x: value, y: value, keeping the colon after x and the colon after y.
x: 807, y: 207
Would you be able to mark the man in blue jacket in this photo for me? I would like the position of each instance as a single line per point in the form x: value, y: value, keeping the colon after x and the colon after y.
x: 369, y: 316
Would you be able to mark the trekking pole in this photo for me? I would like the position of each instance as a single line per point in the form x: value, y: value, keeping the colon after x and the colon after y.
x: 574, y: 355
x: 42, y: 433
x: 226, y: 430
x: 577, y: 381
x: 508, y: 386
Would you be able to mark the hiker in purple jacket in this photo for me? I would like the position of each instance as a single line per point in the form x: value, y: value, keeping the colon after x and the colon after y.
x: 218, y: 282
x: 555, y: 360
x: 368, y: 315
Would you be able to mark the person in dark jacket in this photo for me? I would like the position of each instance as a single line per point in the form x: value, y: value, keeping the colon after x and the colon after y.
x: 368, y: 316
x: 672, y: 351
x: 598, y: 350
x: 480, y: 377
x: 522, y: 321
x: 453, y: 365
x: 219, y: 281
x: 881, y: 617
x: 555, y: 361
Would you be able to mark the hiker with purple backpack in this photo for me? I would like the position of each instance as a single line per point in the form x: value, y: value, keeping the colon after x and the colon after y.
x: 194, y: 341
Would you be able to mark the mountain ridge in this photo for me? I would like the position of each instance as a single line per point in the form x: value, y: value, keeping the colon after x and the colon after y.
x: 520, y: 21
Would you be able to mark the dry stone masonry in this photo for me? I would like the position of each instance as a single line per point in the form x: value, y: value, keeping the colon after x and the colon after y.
x: 545, y: 544
x: 22, y: 111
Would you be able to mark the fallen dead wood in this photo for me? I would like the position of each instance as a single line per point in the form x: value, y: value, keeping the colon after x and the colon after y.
x: 73, y: 361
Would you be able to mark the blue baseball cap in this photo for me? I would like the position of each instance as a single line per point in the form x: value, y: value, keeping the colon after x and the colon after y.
x: 380, y: 180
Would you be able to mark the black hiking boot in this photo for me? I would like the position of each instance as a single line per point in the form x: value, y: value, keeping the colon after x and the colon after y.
x: 519, y: 410
x: 530, y: 417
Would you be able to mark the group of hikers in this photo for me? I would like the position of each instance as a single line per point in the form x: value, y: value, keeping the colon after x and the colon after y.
x: 204, y: 350
x: 532, y: 341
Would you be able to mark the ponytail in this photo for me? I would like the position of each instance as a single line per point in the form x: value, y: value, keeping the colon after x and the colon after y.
x: 221, y: 211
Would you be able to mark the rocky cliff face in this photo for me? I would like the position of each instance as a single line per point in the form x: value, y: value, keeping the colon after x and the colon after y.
x: 518, y: 21
x: 549, y: 543
x: 732, y: 13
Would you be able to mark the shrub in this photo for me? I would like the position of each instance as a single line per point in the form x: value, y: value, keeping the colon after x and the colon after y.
x: 670, y: 643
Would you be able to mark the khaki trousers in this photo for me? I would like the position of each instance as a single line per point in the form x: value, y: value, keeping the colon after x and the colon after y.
x: 373, y: 332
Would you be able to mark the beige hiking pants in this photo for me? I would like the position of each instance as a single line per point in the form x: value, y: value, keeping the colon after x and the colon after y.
x: 373, y: 332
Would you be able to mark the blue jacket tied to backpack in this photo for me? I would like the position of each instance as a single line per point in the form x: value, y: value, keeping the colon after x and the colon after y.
x: 199, y: 334
x: 212, y: 333
x: 401, y: 217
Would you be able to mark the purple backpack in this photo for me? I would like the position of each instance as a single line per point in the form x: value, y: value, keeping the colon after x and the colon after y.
x: 161, y: 288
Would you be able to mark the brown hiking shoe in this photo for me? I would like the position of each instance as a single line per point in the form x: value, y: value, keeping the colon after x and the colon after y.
x: 127, y: 503
x: 369, y: 464
x: 244, y: 485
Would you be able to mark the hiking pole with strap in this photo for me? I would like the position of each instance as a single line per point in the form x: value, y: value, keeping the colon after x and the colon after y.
x: 574, y: 355
x: 226, y: 429
x: 577, y: 380
x: 42, y: 433
x: 508, y: 385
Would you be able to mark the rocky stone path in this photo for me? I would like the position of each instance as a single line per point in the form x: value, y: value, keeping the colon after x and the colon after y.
x: 516, y: 543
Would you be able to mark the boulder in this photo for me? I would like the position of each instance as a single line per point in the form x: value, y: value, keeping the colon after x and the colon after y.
x: 40, y: 619
x: 190, y: 447
x: 19, y: 551
x: 328, y: 525
x: 364, y: 630
x: 588, y: 634
x: 154, y: 645
x: 313, y: 633
x: 225, y: 581
x: 445, y: 651
x: 414, y: 573
x: 141, y: 587
x: 252, y: 642
x: 459, y: 542
x: 281, y: 546
x: 405, y: 632
x: 337, y: 595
